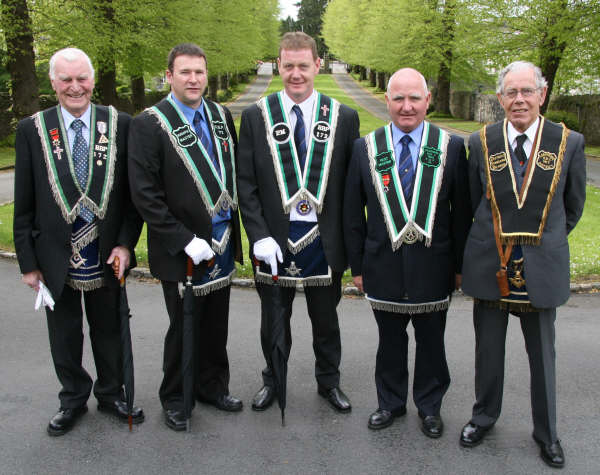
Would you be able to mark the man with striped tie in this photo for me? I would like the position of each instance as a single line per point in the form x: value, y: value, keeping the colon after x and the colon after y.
x: 406, y: 251
x: 294, y: 150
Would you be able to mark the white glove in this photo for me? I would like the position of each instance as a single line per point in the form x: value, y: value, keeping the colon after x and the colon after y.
x: 268, y: 250
x: 44, y: 297
x: 199, y: 250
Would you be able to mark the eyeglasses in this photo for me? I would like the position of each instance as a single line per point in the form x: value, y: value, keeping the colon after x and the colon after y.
x: 525, y: 92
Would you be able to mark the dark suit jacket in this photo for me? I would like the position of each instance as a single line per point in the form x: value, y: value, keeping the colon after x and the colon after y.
x: 546, y: 265
x: 42, y: 236
x: 260, y: 200
x: 416, y: 272
x: 167, y: 198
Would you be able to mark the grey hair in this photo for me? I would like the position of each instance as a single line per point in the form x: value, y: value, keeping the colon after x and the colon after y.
x: 540, y: 80
x: 407, y: 69
x: 70, y: 55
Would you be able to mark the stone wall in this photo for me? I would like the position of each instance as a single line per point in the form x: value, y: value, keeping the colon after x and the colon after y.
x: 462, y: 104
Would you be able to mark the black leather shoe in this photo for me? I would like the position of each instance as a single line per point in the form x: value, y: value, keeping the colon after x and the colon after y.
x: 432, y: 426
x: 175, y: 419
x: 551, y: 454
x: 382, y: 418
x: 228, y: 403
x: 263, y: 398
x: 119, y: 408
x: 64, y: 420
x: 338, y: 400
x: 472, y: 435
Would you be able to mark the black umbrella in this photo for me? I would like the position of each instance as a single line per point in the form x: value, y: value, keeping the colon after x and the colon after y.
x: 187, y: 353
x: 127, y: 353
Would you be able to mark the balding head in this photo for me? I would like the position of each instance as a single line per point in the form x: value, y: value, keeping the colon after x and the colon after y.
x: 407, y: 99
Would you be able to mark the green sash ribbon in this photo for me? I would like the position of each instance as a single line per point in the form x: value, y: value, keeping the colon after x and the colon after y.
x: 522, y: 213
x: 295, y: 184
x: 408, y: 224
x: 67, y: 192
x: 218, y: 190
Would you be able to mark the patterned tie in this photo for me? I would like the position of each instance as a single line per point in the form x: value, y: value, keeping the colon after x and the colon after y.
x: 519, y: 150
x: 299, y: 138
x: 205, y: 140
x: 405, y: 168
x: 80, y: 162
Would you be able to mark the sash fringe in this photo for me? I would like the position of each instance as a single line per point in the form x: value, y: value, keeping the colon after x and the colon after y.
x: 510, y: 306
x: 219, y: 247
x: 306, y: 241
x: 205, y: 289
x: 409, y: 308
x: 85, y: 285
x: 85, y: 240
x: 315, y: 281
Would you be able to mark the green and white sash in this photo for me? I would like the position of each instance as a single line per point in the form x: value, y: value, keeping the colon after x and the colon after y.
x: 522, y: 213
x: 408, y: 224
x: 217, y: 189
x: 294, y: 184
x: 67, y: 192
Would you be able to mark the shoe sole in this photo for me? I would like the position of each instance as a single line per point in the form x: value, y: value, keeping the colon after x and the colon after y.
x: 431, y: 435
x: 381, y: 426
x: 134, y: 420
x: 57, y: 433
x: 262, y: 408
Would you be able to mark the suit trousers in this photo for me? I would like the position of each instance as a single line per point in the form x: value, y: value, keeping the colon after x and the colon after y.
x: 211, y: 363
x: 321, y: 302
x: 490, y: 337
x: 65, y: 330
x: 431, y: 376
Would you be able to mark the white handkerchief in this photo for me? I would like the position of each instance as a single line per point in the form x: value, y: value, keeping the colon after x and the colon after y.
x: 44, y: 297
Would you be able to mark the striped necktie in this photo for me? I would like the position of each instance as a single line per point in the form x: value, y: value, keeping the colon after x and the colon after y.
x: 299, y: 136
x: 405, y: 168
x: 205, y: 140
x: 81, y: 164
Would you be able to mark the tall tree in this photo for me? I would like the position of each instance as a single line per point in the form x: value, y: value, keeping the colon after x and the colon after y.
x: 18, y: 35
x: 310, y: 20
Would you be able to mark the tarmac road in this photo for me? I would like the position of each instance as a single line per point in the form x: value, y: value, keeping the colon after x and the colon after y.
x: 315, y: 439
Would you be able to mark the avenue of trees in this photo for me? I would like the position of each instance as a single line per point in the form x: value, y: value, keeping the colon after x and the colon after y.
x: 460, y: 42
x: 128, y: 40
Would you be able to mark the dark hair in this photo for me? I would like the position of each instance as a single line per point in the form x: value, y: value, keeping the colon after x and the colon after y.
x: 189, y: 49
x: 296, y: 40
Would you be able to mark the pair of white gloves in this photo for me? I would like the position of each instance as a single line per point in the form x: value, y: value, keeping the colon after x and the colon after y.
x: 266, y: 250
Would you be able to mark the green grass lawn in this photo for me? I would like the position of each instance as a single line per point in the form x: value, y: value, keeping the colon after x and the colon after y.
x: 458, y: 124
x: 593, y: 150
x: 7, y: 157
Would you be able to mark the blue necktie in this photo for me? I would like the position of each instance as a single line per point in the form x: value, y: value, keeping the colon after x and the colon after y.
x: 405, y: 168
x: 205, y: 140
x: 80, y: 162
x: 299, y: 139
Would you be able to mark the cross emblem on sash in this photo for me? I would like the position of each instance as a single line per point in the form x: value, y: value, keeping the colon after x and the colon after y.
x: 58, y: 151
x: 225, y: 145
x: 325, y: 109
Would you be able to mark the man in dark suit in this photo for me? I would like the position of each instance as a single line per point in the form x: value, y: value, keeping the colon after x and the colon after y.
x: 294, y: 151
x: 182, y: 169
x: 72, y: 219
x: 527, y: 181
x: 406, y: 252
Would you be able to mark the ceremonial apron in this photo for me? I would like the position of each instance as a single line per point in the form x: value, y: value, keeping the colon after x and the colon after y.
x: 521, y: 211
x: 85, y: 267
x: 304, y: 259
x: 408, y: 223
x: 216, y: 187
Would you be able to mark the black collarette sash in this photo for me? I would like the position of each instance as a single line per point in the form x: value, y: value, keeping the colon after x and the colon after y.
x: 295, y: 185
x: 407, y: 225
x: 522, y: 213
x: 69, y: 196
x: 217, y: 189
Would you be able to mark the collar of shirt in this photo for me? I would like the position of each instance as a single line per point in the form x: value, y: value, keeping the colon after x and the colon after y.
x: 414, y: 145
x: 188, y: 112
x: 530, y: 132
x: 306, y: 107
x: 68, y: 119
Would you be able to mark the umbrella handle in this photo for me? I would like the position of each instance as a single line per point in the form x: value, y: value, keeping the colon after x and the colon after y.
x: 115, y: 268
x: 190, y: 266
x: 275, y: 278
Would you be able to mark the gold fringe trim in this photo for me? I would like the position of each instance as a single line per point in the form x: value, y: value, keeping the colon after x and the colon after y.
x: 85, y: 285
x: 408, y: 308
x: 511, y: 306
x: 86, y: 239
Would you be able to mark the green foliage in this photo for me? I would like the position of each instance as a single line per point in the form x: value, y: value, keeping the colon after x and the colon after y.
x: 7, y: 156
x: 439, y: 115
x: 568, y: 118
x: 583, y: 240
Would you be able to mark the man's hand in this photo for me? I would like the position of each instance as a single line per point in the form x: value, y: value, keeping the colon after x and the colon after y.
x: 124, y: 256
x: 268, y: 250
x: 199, y: 250
x: 32, y: 279
x: 358, y: 282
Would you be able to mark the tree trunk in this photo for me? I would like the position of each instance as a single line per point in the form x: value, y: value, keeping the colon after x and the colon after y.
x: 138, y: 93
x: 106, y: 84
x: 372, y: 78
x: 442, y: 97
x: 381, y: 81
x: 20, y: 63
x: 363, y: 73
x: 213, y: 86
x: 224, y: 82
